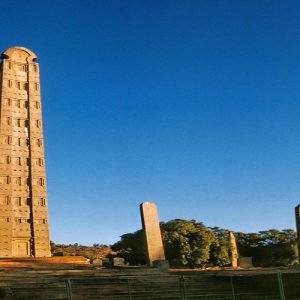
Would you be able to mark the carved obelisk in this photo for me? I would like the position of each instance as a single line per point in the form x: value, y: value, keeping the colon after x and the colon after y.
x: 24, y: 228
x: 153, y: 239
x: 297, y: 215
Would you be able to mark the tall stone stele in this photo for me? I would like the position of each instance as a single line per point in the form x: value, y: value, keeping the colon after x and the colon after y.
x: 152, y: 233
x: 24, y: 228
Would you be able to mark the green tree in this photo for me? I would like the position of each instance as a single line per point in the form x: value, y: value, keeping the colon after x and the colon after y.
x: 191, y: 244
x: 280, y: 246
x: 187, y: 243
x: 132, y: 248
x: 220, y: 249
x: 270, y: 247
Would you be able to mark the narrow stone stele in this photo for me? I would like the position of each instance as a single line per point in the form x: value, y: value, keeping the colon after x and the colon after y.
x: 233, y: 250
x: 297, y: 215
x: 154, y: 246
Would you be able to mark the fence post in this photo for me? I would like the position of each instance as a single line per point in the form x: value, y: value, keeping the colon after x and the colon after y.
x: 281, y: 287
x: 232, y: 288
x: 182, y: 287
x: 69, y: 289
x: 129, y: 288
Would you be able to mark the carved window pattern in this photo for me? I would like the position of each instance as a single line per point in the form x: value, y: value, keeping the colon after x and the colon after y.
x: 39, y: 142
x: 18, y: 103
x: 42, y: 221
x: 23, y: 68
x: 42, y: 202
x: 6, y: 139
x: 19, y: 161
x: 40, y: 162
x: 4, y: 219
x: 8, y: 159
x: 7, y: 101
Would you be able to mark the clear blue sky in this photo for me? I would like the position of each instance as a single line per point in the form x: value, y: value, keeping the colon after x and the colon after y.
x: 194, y: 105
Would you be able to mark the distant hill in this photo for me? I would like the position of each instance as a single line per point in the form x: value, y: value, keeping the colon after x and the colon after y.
x: 91, y: 252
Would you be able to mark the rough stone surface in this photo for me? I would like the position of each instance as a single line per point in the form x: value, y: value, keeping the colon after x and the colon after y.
x: 23, y: 206
x: 118, y: 262
x: 245, y: 262
x: 297, y: 215
x: 153, y: 239
x: 97, y: 262
x: 233, y: 250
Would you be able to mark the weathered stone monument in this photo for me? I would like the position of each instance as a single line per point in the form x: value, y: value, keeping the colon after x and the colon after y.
x: 23, y: 205
x: 297, y: 215
x: 153, y: 239
x: 233, y: 250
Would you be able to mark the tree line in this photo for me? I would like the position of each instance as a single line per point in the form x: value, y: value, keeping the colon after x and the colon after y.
x: 189, y: 243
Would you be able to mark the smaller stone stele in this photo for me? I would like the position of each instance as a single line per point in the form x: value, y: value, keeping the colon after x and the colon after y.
x: 153, y: 240
x: 297, y: 215
x: 233, y: 250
